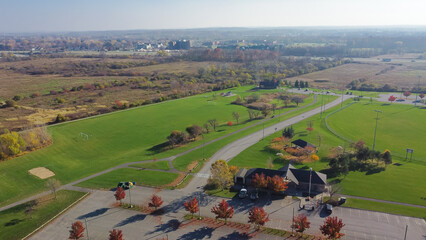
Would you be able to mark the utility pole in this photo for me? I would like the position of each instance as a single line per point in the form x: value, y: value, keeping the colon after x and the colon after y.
x: 310, y: 180
x: 87, y: 230
x: 263, y: 130
x: 418, y: 88
x: 130, y: 196
x: 292, y: 223
x: 341, y: 104
x: 375, y: 129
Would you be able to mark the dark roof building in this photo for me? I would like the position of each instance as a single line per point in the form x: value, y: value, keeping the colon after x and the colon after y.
x: 296, y: 178
x: 301, y: 143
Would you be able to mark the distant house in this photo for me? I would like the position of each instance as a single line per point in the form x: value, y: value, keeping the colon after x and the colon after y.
x: 302, y: 144
x: 297, y: 179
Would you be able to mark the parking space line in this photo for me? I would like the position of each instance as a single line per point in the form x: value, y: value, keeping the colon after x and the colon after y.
x: 397, y: 219
x: 387, y: 218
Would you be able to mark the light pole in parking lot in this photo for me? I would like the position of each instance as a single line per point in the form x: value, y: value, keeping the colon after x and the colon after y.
x: 375, y: 129
x: 310, y: 180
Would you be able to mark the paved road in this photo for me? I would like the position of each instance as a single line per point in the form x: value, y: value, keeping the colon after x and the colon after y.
x: 102, y: 217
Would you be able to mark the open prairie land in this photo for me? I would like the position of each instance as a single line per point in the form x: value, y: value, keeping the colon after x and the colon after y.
x: 402, y: 72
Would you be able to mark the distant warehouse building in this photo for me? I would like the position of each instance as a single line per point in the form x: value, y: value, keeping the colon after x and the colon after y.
x: 180, y: 45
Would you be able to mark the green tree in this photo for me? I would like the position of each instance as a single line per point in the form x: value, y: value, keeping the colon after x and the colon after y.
x: 296, y: 84
x: 11, y: 143
x: 220, y: 176
x: 236, y: 116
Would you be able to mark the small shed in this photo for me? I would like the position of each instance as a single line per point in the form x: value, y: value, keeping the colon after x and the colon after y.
x: 302, y: 144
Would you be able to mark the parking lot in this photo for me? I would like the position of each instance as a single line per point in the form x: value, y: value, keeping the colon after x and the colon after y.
x: 101, y: 217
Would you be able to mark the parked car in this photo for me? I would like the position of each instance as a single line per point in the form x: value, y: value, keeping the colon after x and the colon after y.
x: 309, y: 207
x: 254, y: 195
x: 243, y: 193
x: 342, y: 200
x: 329, y: 208
x: 126, y: 185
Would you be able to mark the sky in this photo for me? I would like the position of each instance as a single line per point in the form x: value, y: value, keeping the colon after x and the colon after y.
x: 95, y: 15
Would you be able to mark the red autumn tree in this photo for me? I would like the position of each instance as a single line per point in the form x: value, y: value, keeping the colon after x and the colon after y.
x: 301, y: 223
x: 258, y: 217
x: 310, y: 129
x: 392, y: 98
x: 407, y: 94
x: 332, y: 227
x: 156, y: 201
x: 259, y: 181
x: 222, y: 210
x: 191, y: 206
x: 119, y: 194
x: 276, y: 184
x: 421, y: 95
x: 77, y: 230
x: 229, y: 123
x: 116, y: 235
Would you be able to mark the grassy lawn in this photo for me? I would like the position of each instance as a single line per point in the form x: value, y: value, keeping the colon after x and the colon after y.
x: 399, y: 127
x: 163, y: 165
x: 16, y: 225
x: 386, y: 207
x: 404, y: 182
x: 180, y: 163
x: 141, y: 177
x: 124, y: 136
x: 221, y: 193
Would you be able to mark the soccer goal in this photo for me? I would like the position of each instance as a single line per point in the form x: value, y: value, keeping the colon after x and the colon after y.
x: 84, y: 136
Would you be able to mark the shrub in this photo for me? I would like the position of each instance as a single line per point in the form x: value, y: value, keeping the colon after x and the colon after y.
x: 11, y: 103
x: 17, y: 97
x: 61, y: 118
x: 34, y: 95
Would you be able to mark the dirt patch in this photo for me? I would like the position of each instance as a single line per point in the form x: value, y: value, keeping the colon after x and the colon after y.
x: 41, y: 172
x: 176, y: 181
x: 192, y: 165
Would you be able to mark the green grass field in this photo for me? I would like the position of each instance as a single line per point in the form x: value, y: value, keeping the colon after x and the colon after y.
x: 124, y: 136
x: 141, y: 177
x: 399, y: 127
x: 385, y: 207
x: 404, y: 182
x: 16, y: 225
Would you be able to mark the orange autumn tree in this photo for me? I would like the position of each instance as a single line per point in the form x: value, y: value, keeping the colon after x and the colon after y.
x: 191, y: 206
x: 222, y: 210
x: 77, y: 230
x: 276, y: 184
x: 116, y: 234
x: 156, y: 201
x: 301, y: 223
x: 119, y: 194
x: 258, y: 217
x: 259, y: 181
x: 332, y: 227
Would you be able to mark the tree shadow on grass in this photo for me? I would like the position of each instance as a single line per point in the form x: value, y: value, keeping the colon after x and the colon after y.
x: 236, y: 235
x: 132, y: 219
x: 200, y: 233
x: 95, y: 213
x: 159, y: 148
x: 13, y: 222
x: 170, y: 226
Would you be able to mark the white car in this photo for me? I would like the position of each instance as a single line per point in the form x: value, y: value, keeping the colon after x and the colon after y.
x: 243, y: 193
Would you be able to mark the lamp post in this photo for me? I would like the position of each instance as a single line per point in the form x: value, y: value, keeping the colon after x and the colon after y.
x: 418, y: 88
x: 375, y: 129
x: 310, y: 180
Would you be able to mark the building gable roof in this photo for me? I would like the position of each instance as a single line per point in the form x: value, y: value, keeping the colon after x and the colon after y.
x: 301, y: 143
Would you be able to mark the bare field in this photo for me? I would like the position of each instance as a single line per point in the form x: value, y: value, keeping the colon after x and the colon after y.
x: 340, y: 76
x: 402, y: 72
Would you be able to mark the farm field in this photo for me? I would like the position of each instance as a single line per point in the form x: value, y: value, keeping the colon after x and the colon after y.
x: 15, y: 224
x: 401, y: 182
x: 402, y: 72
x: 125, y: 136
